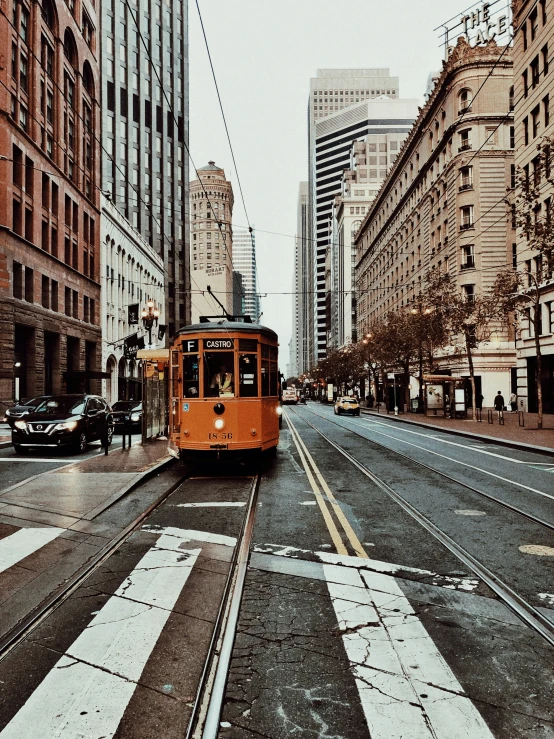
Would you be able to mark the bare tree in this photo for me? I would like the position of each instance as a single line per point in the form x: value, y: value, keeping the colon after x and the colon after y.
x: 468, y: 319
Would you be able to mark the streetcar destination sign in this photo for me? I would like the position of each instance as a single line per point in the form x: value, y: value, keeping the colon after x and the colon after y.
x: 219, y: 343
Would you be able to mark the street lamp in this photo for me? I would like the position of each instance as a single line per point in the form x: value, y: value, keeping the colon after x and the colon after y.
x: 420, y: 310
x: 150, y: 316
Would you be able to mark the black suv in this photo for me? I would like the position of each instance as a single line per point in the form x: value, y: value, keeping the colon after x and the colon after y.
x: 127, y: 414
x: 64, y: 420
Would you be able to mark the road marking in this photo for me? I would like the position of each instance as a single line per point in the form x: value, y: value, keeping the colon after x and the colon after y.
x: 406, y: 687
x: 209, y: 505
x: 22, y: 543
x: 331, y: 527
x: 539, y: 550
x: 345, y: 523
x: 464, y: 464
x: 189, y: 535
x: 87, y: 692
x: 470, y: 512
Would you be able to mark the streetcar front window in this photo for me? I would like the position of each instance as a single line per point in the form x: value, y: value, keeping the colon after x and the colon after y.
x: 191, y: 384
x: 219, y: 375
x: 248, y: 375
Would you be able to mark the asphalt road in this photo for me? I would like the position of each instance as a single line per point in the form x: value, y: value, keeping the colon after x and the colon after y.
x: 355, y: 620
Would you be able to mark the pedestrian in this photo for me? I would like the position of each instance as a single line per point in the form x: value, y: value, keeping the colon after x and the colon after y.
x: 479, y: 401
x: 513, y: 402
x: 499, y: 404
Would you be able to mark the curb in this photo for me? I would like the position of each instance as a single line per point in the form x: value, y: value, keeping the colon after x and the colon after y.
x: 457, y: 432
x: 135, y: 482
x: 4, y: 444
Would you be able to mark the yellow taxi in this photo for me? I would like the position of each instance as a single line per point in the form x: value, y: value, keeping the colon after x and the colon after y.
x: 347, y: 405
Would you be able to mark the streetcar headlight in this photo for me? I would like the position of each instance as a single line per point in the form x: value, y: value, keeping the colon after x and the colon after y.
x: 135, y: 417
x: 219, y: 423
x: 279, y: 410
x: 20, y: 425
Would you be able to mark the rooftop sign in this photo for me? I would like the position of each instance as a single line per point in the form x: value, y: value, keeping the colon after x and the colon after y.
x: 485, y: 21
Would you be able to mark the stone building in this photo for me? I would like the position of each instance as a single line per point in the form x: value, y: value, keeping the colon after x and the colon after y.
x: 133, y: 274
x: 359, y: 187
x: 211, y: 210
x: 533, y: 96
x: 49, y: 210
x: 145, y: 124
x: 443, y: 204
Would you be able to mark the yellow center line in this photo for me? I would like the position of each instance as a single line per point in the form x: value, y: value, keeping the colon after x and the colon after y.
x: 333, y: 531
x: 348, y: 530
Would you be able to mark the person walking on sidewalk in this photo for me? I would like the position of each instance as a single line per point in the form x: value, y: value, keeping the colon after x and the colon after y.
x: 499, y: 404
x: 513, y: 402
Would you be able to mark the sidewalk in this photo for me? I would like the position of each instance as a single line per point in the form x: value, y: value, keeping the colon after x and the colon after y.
x: 79, y: 491
x: 511, y: 433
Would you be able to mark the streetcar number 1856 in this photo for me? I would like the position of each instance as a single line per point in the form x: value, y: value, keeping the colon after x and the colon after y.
x: 219, y: 436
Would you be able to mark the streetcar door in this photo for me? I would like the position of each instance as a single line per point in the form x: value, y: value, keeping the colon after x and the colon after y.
x: 175, y: 385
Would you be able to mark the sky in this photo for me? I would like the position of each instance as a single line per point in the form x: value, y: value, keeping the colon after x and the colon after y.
x: 264, y: 54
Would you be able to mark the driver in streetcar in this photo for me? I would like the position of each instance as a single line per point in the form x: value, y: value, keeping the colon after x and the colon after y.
x: 223, y: 381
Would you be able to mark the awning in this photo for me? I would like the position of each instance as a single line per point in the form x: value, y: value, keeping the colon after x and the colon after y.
x: 86, y: 375
x: 154, y: 355
x: 441, y: 378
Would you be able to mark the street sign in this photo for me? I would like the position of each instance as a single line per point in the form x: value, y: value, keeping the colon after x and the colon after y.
x: 390, y: 376
x: 133, y: 314
x: 131, y: 345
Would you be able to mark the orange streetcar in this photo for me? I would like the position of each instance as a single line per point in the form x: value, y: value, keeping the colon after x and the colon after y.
x: 224, y: 390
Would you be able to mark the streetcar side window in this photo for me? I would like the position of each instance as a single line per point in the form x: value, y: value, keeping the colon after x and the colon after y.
x: 219, y: 377
x: 273, y: 372
x: 265, y: 378
x: 191, y: 378
x: 248, y: 375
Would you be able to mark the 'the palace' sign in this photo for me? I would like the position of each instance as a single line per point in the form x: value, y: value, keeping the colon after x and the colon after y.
x: 487, y: 21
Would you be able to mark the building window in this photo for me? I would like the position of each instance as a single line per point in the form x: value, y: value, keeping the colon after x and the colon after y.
x: 546, y: 110
x: 465, y: 140
x: 17, y: 281
x: 468, y: 256
x: 536, y: 120
x: 511, y: 98
x: 544, y: 53
x: 534, y: 23
x: 525, y: 83
x: 535, y: 75
x: 512, y: 176
x: 466, y: 217
x: 54, y: 296
x: 29, y: 285
x: 45, y: 292
x: 468, y: 292
x: 465, y: 100
x: 466, y: 178
x: 525, y: 130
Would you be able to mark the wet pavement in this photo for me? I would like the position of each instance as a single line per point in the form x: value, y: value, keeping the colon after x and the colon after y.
x: 355, y: 620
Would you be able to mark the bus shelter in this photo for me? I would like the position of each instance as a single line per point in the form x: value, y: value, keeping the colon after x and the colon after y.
x: 445, y: 396
x: 155, y: 373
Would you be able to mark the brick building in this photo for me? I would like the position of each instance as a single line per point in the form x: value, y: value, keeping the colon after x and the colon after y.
x: 443, y: 206
x: 49, y: 211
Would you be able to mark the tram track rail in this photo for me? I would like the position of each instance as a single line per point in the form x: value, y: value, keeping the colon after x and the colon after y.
x: 530, y: 615
x: 12, y: 638
x: 204, y: 722
x: 446, y: 476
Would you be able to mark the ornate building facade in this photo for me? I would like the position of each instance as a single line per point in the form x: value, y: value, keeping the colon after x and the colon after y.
x: 49, y: 211
x: 443, y: 204
x: 211, y: 208
x: 534, y: 96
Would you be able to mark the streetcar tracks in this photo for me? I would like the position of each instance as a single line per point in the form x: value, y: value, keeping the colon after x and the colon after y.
x: 494, y: 499
x: 531, y: 616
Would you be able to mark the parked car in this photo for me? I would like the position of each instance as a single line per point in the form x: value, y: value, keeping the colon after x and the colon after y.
x: 130, y: 410
x: 347, y: 405
x: 64, y: 420
x: 22, y: 409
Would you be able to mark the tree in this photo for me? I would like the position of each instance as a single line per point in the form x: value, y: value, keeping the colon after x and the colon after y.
x: 395, y: 344
x: 468, y: 319
x: 519, y: 291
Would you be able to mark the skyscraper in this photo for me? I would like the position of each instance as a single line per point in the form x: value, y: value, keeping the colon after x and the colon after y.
x: 383, y: 119
x: 144, y: 58
x: 331, y: 91
x: 244, y: 262
x: 302, y: 312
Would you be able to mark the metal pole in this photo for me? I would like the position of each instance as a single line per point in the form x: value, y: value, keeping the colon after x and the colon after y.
x: 144, y: 403
x: 395, y: 403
